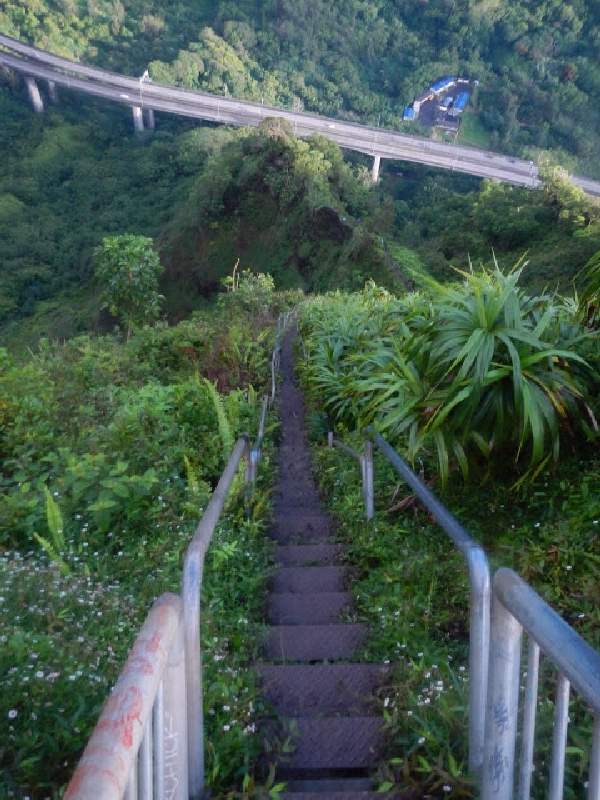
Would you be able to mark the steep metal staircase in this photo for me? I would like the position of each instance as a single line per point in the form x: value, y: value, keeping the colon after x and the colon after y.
x: 312, y: 680
x: 149, y: 741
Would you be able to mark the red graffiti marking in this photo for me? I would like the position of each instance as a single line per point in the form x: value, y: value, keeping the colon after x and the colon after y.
x: 122, y: 709
x: 153, y: 645
x: 90, y: 772
x: 139, y: 664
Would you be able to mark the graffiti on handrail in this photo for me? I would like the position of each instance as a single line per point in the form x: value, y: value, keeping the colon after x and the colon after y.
x: 171, y: 751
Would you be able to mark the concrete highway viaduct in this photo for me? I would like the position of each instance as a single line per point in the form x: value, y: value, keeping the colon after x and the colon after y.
x: 145, y: 98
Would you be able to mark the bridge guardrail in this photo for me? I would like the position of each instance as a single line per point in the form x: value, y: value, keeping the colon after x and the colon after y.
x: 479, y: 577
x: 517, y: 608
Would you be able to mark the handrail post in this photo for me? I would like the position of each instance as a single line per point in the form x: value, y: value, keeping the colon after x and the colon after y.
x: 174, y: 733
x: 330, y: 439
x: 246, y: 456
x: 502, y: 705
x: 253, y: 460
x: 479, y: 646
x: 368, y: 480
x: 191, y: 589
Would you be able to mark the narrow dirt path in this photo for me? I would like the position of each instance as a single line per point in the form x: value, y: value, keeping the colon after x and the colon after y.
x: 308, y: 675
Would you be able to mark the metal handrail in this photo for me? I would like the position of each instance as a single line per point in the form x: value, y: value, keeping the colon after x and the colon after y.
x: 140, y: 739
x: 193, y: 569
x: 517, y: 607
x: 479, y: 605
x: 479, y: 579
x: 149, y: 740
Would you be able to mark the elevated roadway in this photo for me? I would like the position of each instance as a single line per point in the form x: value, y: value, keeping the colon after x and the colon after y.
x: 140, y: 95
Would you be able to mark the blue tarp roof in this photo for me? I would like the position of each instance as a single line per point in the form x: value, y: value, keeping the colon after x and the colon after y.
x: 461, y: 101
x: 409, y: 113
x: 442, y: 82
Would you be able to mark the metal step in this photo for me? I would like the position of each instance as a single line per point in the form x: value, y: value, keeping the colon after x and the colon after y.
x: 307, y: 554
x: 313, y: 642
x: 335, y: 743
x: 302, y: 528
x: 309, y: 580
x: 319, y: 785
x: 307, y: 609
x: 302, y: 690
x: 327, y: 794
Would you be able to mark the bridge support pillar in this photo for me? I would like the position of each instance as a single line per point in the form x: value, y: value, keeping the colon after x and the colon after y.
x: 52, y: 93
x: 149, y: 118
x: 138, y: 119
x: 34, y: 94
x: 376, y: 167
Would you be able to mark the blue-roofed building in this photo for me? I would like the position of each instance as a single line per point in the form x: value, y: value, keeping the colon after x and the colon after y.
x: 460, y: 103
x: 442, y: 84
x: 409, y: 114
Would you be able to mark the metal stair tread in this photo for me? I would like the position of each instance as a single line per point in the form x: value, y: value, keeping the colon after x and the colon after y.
x: 347, y: 743
x: 318, y: 785
x: 300, y: 689
x: 331, y: 642
x: 306, y: 554
x: 296, y: 608
x: 309, y: 579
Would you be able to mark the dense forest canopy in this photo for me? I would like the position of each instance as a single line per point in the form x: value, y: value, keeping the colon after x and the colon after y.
x: 115, y: 424
x: 536, y: 60
x: 76, y: 174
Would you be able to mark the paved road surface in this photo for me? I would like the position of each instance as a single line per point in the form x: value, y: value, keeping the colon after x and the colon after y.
x: 200, y: 105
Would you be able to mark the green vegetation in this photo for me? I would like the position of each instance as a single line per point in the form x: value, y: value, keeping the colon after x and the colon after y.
x: 478, y: 373
x: 291, y: 208
x: 590, y: 296
x: 487, y: 379
x: 128, y: 268
x: 450, y: 220
x: 109, y: 452
x: 361, y: 59
x: 66, y: 182
x: 280, y: 205
x: 476, y: 353
x: 473, y: 132
x: 411, y: 588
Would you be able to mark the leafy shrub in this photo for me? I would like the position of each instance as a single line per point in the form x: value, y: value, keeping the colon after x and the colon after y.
x: 590, y: 296
x: 475, y: 372
x: 127, y: 269
x: 109, y: 453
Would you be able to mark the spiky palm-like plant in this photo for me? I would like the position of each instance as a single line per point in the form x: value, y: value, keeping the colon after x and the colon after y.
x: 473, y: 371
x: 590, y: 296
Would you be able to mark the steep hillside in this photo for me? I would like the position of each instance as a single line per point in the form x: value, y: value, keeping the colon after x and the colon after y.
x: 207, y: 195
x: 291, y: 208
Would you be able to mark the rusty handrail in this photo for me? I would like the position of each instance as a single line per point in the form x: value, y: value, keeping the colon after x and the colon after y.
x: 152, y: 682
